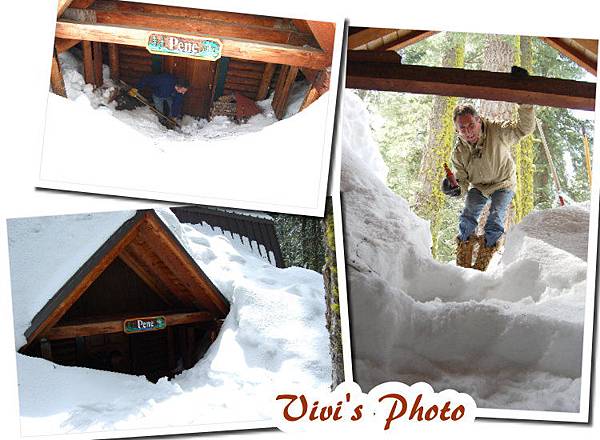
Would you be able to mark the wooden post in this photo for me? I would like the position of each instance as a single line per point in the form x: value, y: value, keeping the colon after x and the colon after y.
x: 46, y: 349
x: 88, y: 62
x: 282, y: 90
x: 113, y: 60
x: 319, y: 86
x: 57, y: 81
x: 97, y: 56
x: 265, y: 82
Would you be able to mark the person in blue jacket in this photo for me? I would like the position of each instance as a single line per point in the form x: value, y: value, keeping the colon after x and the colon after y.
x: 165, y: 88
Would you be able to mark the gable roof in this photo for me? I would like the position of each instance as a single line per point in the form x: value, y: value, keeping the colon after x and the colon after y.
x: 141, y: 239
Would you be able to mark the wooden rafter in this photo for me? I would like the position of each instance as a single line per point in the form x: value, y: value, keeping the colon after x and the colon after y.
x: 56, y: 78
x: 471, y: 84
x: 62, y: 6
x: 114, y: 325
x: 404, y: 39
x: 583, y: 52
x: 232, y: 47
x: 360, y: 39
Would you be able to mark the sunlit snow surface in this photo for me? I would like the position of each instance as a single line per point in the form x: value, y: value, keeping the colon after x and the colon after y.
x: 510, y: 337
x: 273, y: 338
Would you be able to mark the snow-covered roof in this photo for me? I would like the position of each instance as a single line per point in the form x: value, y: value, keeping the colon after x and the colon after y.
x: 50, y: 255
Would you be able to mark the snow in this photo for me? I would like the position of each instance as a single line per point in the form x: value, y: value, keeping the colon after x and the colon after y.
x: 278, y: 166
x: 146, y: 121
x: 273, y: 338
x: 510, y: 337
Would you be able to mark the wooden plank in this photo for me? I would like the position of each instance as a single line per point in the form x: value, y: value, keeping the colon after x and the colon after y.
x: 46, y: 349
x: 88, y: 63
x: 578, y: 56
x: 319, y: 86
x: 176, y: 11
x: 97, y: 54
x: 61, y: 45
x: 405, y: 39
x: 249, y: 74
x: 493, y: 86
x: 283, y: 70
x: 132, y: 261
x: 116, y: 325
x: 78, y: 284
x: 361, y: 38
x: 324, y: 33
x: 251, y: 90
x: 57, y: 81
x: 263, y: 88
x: 62, y: 6
x: 113, y: 61
x: 232, y: 47
x: 284, y: 92
x: 198, y: 26
x: 231, y: 79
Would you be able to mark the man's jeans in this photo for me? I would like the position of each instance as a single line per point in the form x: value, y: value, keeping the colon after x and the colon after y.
x: 159, y: 103
x: 474, y: 204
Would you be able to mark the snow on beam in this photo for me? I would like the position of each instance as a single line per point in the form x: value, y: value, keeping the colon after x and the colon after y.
x: 232, y: 47
x: 471, y: 84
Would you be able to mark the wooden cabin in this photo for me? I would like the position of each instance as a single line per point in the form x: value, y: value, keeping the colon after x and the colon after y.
x: 139, y: 305
x: 249, y: 54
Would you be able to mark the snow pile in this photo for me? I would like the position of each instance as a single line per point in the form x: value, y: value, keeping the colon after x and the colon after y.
x: 273, y: 338
x: 146, y: 121
x: 510, y: 337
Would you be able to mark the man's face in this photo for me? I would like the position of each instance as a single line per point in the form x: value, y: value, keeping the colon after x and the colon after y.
x: 181, y: 89
x: 468, y: 127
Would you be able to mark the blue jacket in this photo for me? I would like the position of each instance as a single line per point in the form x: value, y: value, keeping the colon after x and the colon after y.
x: 163, y: 86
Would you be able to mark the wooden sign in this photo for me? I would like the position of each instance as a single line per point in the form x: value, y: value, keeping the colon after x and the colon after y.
x: 184, y: 46
x: 148, y: 324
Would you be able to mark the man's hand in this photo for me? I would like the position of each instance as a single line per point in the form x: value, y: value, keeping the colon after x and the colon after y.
x: 449, y: 190
x: 133, y: 92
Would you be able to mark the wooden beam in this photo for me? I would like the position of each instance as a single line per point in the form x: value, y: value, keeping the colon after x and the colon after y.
x: 193, y: 13
x: 405, y: 39
x: 232, y: 47
x: 97, y: 54
x: 579, y: 56
x: 361, y: 38
x: 61, y: 45
x: 265, y: 82
x: 282, y: 93
x: 493, y: 86
x: 113, y: 61
x: 324, y: 33
x: 88, y: 62
x: 319, y: 86
x: 200, y: 26
x: 57, y: 81
x: 62, y: 6
x: 132, y: 261
x: 116, y: 325
x: 182, y: 265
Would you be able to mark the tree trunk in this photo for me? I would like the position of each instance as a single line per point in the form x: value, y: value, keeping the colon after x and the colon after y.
x: 430, y: 201
x: 332, y: 299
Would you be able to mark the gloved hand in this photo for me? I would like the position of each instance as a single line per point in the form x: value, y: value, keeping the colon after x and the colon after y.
x: 449, y: 190
x: 133, y: 92
x: 519, y: 72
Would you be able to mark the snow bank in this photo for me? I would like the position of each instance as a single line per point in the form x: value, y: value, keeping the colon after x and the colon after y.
x: 510, y: 337
x: 274, y: 337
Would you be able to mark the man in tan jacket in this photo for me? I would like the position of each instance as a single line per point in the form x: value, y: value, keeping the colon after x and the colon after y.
x: 485, y: 172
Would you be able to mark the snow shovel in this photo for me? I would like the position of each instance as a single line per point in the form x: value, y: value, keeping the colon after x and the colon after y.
x: 172, y: 123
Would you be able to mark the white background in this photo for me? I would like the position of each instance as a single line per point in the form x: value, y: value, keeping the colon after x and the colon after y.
x: 27, y: 29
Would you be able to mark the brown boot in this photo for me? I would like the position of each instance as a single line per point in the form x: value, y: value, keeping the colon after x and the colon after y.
x: 484, y: 255
x: 464, y: 252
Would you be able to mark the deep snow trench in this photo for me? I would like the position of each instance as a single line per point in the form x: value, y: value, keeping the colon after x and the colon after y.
x: 510, y: 337
x: 146, y: 121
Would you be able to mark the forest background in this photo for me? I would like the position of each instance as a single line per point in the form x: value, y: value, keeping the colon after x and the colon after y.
x: 416, y: 132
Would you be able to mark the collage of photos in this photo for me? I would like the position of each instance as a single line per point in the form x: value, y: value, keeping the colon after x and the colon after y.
x: 230, y: 203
